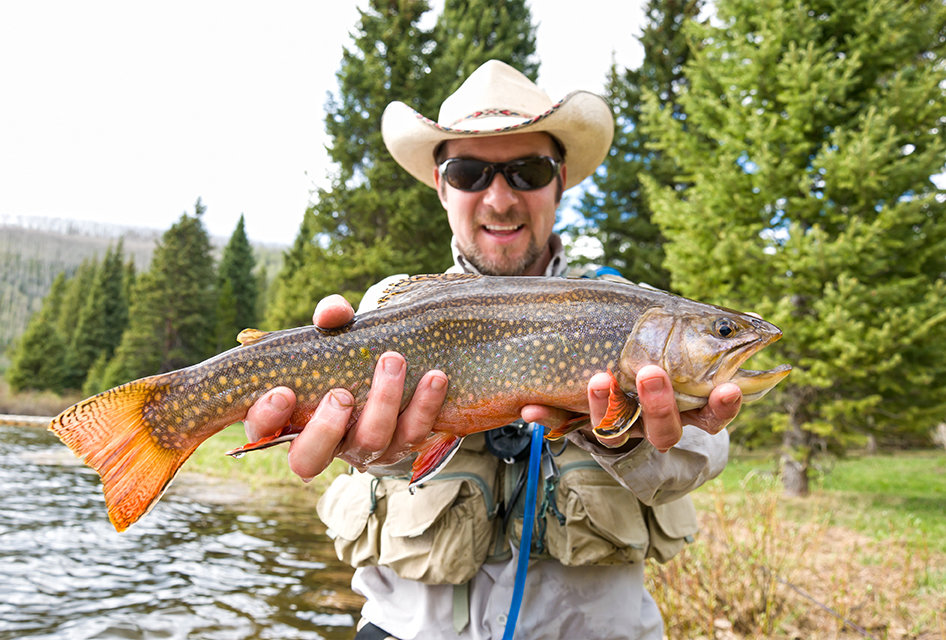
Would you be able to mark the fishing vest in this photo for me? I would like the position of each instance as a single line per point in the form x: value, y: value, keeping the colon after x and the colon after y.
x: 472, y: 511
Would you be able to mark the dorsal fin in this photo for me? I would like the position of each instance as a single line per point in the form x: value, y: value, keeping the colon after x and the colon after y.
x: 420, y: 286
x: 251, y: 336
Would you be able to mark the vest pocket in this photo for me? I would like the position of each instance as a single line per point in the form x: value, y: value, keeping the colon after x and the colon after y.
x: 349, y: 508
x: 440, y: 534
x: 598, y: 521
x: 672, y: 526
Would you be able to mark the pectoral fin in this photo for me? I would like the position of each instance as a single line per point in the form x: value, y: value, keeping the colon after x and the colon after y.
x: 286, y: 434
x: 577, y: 422
x: 623, y: 411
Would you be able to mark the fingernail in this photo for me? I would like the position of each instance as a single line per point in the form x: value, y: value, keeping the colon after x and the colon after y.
x: 654, y: 385
x: 308, y: 480
x: 437, y: 383
x: 601, y: 394
x: 334, y: 401
x: 278, y: 402
x: 391, y: 366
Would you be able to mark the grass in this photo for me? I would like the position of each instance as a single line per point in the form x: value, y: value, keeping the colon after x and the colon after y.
x: 900, y: 495
x: 861, y: 557
x: 34, y: 403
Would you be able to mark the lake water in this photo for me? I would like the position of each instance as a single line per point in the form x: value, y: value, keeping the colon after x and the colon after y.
x: 190, y: 569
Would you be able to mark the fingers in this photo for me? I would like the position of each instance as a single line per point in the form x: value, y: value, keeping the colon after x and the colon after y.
x: 418, y: 418
x: 371, y: 436
x: 662, y: 423
x: 551, y: 417
x: 722, y: 406
x: 270, y: 413
x: 382, y: 434
x: 315, y: 447
x: 599, y: 393
x: 332, y: 312
x: 599, y: 389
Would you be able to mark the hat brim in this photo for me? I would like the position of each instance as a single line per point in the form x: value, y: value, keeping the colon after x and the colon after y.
x: 581, y: 121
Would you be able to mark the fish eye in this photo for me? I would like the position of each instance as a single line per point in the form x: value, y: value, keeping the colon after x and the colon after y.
x: 725, y: 328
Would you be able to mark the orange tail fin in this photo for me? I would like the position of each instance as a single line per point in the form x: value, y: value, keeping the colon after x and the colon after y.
x: 112, y: 434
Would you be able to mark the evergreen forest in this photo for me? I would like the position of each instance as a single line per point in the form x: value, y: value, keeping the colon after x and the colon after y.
x: 780, y: 156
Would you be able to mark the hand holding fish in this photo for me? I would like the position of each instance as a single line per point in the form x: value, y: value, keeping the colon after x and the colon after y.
x: 383, y: 433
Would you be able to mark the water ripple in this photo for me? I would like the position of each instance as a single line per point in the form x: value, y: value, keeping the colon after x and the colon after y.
x: 188, y: 570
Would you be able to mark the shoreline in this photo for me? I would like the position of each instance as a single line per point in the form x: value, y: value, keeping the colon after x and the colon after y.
x: 14, y: 420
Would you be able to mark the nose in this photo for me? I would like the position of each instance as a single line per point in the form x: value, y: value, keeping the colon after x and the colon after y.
x: 499, y: 195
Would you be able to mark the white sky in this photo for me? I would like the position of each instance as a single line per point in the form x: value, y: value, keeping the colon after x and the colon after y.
x: 125, y: 112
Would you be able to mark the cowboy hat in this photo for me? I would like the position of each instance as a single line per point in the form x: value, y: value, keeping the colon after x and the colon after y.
x: 499, y: 100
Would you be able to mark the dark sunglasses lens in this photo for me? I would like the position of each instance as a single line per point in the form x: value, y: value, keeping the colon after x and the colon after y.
x: 468, y: 175
x: 530, y: 173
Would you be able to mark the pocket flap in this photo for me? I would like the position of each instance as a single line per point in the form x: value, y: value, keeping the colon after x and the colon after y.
x: 614, y: 511
x: 345, y: 506
x: 411, y: 515
x: 677, y: 519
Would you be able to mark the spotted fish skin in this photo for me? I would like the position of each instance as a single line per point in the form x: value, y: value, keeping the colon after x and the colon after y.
x: 503, y: 342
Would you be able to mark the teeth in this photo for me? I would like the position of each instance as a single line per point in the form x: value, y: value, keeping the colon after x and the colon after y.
x: 502, y: 227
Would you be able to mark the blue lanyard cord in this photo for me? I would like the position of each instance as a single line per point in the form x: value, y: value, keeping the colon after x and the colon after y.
x: 528, y: 520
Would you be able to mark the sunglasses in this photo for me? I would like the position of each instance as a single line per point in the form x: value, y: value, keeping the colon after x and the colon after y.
x: 524, y: 174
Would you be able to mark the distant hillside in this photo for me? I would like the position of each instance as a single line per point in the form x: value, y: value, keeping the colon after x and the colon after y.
x: 34, y: 251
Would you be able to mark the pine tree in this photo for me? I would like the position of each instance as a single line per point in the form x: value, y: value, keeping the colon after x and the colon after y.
x: 812, y: 131
x: 376, y: 219
x: 74, y: 298
x: 616, y: 209
x: 104, y: 315
x: 37, y: 360
x: 470, y: 32
x: 172, y: 308
x: 142, y: 348
x: 360, y: 227
x: 237, y: 289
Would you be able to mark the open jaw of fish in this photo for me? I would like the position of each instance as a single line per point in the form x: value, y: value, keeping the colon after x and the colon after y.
x: 503, y: 343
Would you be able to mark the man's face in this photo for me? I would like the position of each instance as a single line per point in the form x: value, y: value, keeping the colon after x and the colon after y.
x: 500, y: 230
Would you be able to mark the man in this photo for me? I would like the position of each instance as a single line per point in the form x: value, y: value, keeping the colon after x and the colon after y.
x: 499, y: 156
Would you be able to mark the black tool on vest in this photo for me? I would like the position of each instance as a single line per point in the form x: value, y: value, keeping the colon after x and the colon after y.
x: 510, y: 443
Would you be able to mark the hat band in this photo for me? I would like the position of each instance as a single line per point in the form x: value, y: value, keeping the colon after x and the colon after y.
x: 487, y: 113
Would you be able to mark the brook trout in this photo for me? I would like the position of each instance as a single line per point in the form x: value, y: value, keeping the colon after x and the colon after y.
x: 503, y: 342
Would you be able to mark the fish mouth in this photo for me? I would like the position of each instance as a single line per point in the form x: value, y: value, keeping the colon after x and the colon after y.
x: 753, y: 384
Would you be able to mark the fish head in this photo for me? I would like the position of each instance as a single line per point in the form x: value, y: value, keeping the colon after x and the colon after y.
x: 701, y: 348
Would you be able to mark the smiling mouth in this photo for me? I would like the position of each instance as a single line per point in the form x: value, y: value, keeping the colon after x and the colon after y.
x: 502, y: 229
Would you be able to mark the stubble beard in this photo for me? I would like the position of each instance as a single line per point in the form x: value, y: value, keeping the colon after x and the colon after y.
x: 504, y: 265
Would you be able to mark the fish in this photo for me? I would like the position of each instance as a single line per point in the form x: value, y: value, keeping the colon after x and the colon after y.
x: 503, y: 342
